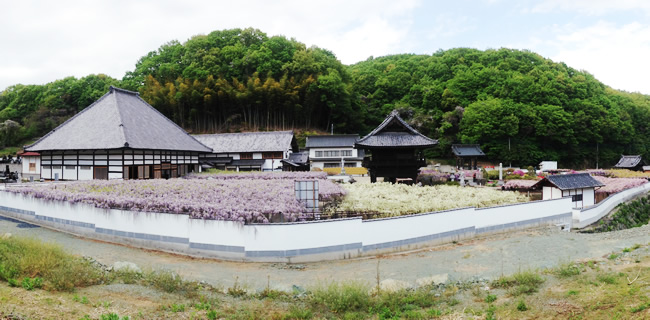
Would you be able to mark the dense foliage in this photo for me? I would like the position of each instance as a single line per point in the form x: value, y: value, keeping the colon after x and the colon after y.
x: 521, y: 107
x: 30, y: 111
x: 239, y: 76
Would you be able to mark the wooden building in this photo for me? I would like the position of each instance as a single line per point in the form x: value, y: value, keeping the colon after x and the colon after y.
x: 395, y: 150
x: 297, y: 161
x: 635, y: 163
x: 31, y: 162
x: 248, y: 151
x: 467, y: 155
x: 327, y: 151
x: 119, y: 136
x: 580, y: 187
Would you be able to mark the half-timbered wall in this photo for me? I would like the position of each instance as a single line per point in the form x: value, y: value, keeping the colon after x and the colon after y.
x: 116, y: 164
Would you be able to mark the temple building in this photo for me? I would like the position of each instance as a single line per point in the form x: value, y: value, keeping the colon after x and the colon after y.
x: 119, y: 136
x: 395, y: 150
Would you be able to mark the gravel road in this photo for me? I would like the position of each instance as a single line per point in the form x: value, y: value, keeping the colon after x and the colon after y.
x: 486, y: 257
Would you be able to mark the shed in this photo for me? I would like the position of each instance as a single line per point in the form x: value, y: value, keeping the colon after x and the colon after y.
x: 579, y: 186
x: 395, y: 150
x: 467, y: 154
x: 31, y: 165
x: 635, y: 163
x: 119, y: 136
x: 248, y: 151
x: 326, y: 151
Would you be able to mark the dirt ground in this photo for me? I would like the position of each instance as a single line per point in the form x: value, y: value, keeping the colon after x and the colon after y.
x: 481, y: 258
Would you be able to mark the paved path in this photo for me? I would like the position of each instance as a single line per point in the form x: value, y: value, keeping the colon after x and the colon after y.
x: 485, y: 258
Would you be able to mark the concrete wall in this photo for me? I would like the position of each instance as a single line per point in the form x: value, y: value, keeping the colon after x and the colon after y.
x: 288, y: 242
x: 587, y: 216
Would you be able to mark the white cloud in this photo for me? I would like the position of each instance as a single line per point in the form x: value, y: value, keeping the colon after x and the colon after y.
x: 591, y: 7
x: 616, y: 55
x: 45, y: 41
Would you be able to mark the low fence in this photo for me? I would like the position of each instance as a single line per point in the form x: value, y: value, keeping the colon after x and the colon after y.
x: 286, y: 242
x: 584, y: 217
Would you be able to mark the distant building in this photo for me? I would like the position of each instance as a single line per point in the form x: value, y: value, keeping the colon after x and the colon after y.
x: 119, y: 136
x: 327, y: 151
x: 635, y: 163
x: 395, y: 150
x: 248, y: 151
x: 580, y: 187
x: 297, y: 161
x: 467, y: 155
x: 31, y: 165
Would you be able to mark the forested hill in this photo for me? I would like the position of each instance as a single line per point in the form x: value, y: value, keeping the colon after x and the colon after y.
x: 245, y: 80
x: 507, y: 99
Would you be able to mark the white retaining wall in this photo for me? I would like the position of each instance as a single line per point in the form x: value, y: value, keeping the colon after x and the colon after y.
x: 587, y: 216
x: 288, y: 242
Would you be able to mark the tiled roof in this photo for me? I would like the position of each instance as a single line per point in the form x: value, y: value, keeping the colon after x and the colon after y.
x: 394, y: 132
x: 467, y: 150
x: 628, y: 161
x: 118, y: 119
x: 332, y: 141
x: 297, y: 159
x: 271, y: 141
x: 570, y: 181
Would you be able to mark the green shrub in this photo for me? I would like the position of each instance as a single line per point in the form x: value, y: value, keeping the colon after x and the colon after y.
x: 298, y: 312
x: 526, y: 282
x: 490, y: 298
x: 340, y: 298
x: 170, y: 282
x: 607, y: 278
x: 521, y: 306
x: 568, y: 270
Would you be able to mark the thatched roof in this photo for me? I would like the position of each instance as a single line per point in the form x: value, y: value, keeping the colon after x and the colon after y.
x: 394, y: 132
x: 569, y: 181
x: 467, y: 150
x: 628, y: 161
x: 332, y: 141
x: 119, y: 119
x: 271, y: 141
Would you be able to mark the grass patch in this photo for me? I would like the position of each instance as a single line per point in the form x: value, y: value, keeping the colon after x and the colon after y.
x: 567, y: 270
x: 341, y: 298
x: 526, y: 282
x: 36, y: 264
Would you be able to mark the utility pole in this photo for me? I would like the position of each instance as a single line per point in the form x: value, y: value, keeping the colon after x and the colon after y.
x: 332, y: 133
x: 596, y: 155
x: 509, y: 154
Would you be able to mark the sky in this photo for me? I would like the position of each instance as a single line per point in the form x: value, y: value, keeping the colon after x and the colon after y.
x: 42, y: 41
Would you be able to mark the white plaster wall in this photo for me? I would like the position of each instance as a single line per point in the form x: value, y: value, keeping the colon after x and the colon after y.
x: 46, y: 172
x: 400, y: 228
x: 167, y: 224
x: 86, y: 174
x: 55, y: 171
x: 309, y: 235
x: 588, y: 197
x: 556, y: 193
x: 587, y: 216
x: 486, y: 217
x: 69, y: 174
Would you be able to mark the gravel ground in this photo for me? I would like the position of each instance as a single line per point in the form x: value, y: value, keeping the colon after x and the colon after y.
x: 484, y: 258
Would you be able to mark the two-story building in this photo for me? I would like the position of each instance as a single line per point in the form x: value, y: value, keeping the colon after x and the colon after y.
x: 247, y: 151
x: 328, y: 151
